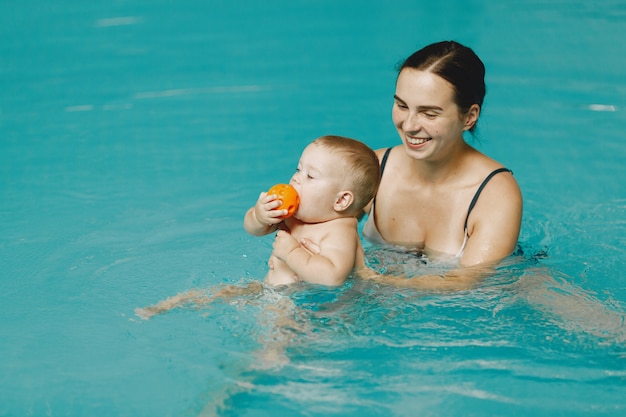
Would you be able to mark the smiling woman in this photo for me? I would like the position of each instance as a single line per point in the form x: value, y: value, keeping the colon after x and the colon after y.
x: 428, y: 198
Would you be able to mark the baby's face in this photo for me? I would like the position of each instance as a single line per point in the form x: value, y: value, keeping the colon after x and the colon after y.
x: 318, y: 180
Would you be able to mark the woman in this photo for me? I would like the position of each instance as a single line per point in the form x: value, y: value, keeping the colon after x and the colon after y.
x: 438, y: 194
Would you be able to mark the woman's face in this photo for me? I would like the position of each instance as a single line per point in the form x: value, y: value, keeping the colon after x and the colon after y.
x: 426, y: 116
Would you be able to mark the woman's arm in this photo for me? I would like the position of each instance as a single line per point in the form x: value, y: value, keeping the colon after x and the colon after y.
x: 455, y: 280
x: 458, y: 279
x: 495, y: 222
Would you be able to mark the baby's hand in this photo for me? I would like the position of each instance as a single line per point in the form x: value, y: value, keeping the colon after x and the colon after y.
x: 265, y: 209
x: 284, y: 244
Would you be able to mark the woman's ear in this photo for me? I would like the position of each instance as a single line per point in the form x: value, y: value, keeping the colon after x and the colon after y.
x: 343, y: 201
x: 472, y: 116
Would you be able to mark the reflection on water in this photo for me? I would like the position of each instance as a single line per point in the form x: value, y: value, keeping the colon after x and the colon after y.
x: 525, y: 321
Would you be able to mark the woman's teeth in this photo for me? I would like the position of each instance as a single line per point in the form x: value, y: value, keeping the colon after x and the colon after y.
x: 418, y: 141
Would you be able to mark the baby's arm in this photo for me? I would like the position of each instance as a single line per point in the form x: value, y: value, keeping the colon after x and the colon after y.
x: 262, y: 218
x: 331, y: 266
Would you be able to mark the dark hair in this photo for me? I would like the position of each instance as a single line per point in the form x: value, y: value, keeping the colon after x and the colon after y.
x: 458, y: 65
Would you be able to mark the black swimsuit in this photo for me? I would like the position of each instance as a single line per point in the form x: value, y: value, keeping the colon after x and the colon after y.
x: 370, y: 231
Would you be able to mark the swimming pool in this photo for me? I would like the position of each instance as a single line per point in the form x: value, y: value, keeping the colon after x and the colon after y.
x: 134, y: 135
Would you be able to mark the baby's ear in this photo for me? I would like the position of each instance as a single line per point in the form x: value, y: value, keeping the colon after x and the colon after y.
x: 343, y: 201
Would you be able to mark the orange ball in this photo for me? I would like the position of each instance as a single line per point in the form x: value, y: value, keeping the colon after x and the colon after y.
x: 289, y: 197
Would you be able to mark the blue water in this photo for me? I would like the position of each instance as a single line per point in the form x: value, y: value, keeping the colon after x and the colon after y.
x: 135, y: 134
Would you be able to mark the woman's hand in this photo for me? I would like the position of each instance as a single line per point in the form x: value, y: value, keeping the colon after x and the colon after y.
x: 284, y: 244
x: 313, y: 248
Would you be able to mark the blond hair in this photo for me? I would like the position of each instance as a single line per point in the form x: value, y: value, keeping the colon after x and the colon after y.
x: 361, y: 165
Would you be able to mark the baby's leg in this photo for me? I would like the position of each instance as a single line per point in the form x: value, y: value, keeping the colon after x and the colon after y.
x: 170, y: 303
x: 281, y: 325
x: 227, y: 292
x: 198, y: 298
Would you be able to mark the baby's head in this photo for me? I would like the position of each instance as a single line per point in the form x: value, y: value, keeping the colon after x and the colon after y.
x: 336, y: 175
x: 361, y: 168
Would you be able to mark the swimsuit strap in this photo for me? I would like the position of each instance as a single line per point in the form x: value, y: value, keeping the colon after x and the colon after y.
x: 384, y: 161
x: 480, y: 189
x: 382, y: 169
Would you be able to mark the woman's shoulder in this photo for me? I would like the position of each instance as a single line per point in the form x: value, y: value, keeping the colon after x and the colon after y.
x: 392, y: 156
x: 496, y: 184
x: 490, y: 184
x: 389, y: 149
x: 481, y: 167
x: 502, y: 183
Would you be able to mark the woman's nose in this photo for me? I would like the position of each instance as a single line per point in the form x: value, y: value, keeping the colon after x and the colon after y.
x: 412, y: 123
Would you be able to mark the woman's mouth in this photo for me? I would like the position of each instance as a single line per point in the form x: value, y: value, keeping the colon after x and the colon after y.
x: 417, y: 141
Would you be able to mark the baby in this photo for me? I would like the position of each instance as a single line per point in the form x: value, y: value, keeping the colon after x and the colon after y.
x: 335, y: 179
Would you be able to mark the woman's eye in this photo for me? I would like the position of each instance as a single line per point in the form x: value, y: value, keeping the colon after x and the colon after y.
x: 430, y: 115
